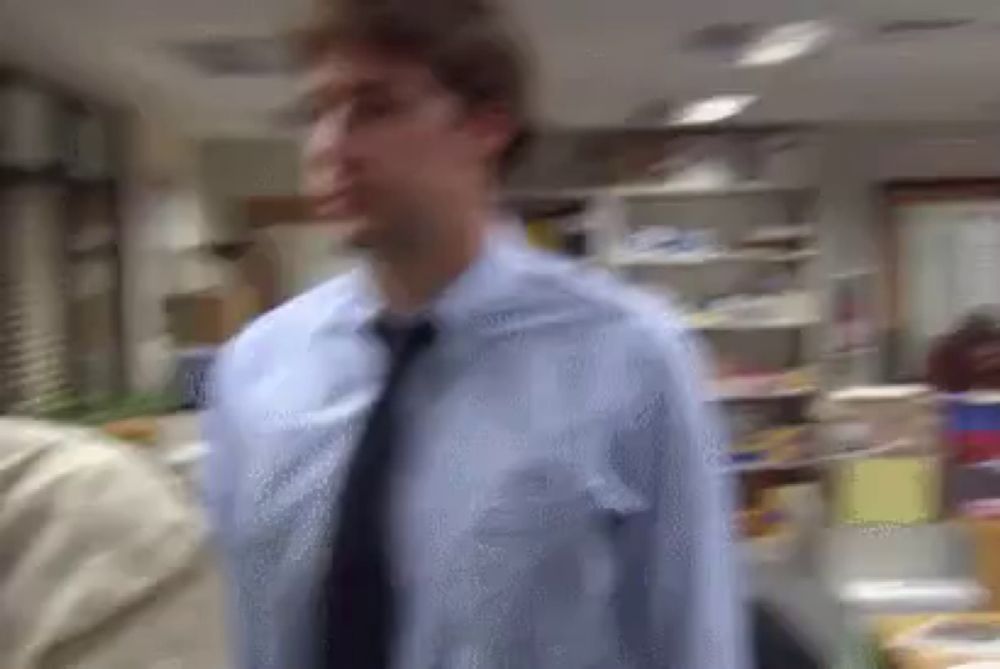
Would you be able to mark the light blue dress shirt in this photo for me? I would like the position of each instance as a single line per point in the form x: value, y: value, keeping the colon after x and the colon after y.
x: 560, y: 501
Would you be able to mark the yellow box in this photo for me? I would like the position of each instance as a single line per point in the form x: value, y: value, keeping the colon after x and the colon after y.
x: 888, y: 490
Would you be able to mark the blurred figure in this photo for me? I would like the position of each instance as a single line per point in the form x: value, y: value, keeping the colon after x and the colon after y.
x: 968, y: 358
x: 102, y: 564
x: 469, y: 453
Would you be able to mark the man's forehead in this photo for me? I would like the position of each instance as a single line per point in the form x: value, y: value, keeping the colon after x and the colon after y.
x: 348, y: 70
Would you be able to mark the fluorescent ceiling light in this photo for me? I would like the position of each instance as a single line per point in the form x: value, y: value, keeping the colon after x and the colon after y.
x: 712, y: 110
x: 786, y: 42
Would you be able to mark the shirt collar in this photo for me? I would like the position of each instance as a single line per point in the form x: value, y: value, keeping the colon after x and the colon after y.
x: 469, y: 294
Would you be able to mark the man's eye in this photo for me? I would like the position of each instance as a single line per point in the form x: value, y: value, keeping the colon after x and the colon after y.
x: 310, y: 113
x: 373, y: 108
x: 297, y: 114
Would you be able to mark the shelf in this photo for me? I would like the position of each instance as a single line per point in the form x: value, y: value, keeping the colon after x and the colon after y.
x: 773, y: 237
x: 722, y: 395
x: 789, y: 384
x: 98, y: 252
x: 818, y: 460
x: 771, y: 466
x: 53, y: 173
x: 881, y: 393
x: 850, y: 354
x: 752, y: 326
x: 652, y: 191
x: 692, y: 261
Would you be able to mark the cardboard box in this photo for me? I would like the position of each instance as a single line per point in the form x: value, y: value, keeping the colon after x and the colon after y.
x: 877, y: 416
x: 209, y: 318
x: 905, y: 643
x: 986, y: 541
x: 888, y: 490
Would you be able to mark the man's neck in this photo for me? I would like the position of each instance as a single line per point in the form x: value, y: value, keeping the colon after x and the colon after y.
x: 412, y: 279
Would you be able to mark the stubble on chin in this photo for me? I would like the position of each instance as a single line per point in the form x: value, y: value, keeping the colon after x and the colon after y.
x: 388, y: 242
x: 358, y: 236
x: 375, y: 238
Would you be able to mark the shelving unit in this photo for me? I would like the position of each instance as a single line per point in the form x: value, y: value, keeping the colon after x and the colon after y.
x: 819, y: 461
x: 62, y: 298
x: 658, y: 191
x: 791, y: 393
x: 752, y: 326
x: 751, y: 237
x: 706, y: 261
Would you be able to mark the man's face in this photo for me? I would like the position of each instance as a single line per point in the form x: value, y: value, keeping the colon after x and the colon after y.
x: 389, y: 146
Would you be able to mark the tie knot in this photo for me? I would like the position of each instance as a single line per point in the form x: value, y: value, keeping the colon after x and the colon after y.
x: 404, y: 340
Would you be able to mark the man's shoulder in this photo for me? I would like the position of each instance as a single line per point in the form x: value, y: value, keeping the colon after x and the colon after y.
x: 602, y: 300
x: 289, y: 326
x: 629, y: 331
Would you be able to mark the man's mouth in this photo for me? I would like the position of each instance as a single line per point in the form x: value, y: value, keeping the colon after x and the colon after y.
x: 336, y: 204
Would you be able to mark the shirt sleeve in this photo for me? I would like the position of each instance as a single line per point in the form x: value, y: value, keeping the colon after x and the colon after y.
x: 696, y: 606
x: 219, y: 481
x: 218, y: 473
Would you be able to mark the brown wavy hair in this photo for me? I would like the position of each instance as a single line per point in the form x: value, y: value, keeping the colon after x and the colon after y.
x: 469, y: 46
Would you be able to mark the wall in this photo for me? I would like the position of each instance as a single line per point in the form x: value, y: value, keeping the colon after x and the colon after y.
x: 186, y: 195
x: 229, y: 170
x: 938, y: 151
x: 856, y: 161
x: 306, y: 255
x: 161, y: 168
x: 233, y: 169
x: 169, y: 224
x: 851, y: 163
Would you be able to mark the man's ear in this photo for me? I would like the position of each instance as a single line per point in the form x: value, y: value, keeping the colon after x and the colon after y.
x: 492, y: 128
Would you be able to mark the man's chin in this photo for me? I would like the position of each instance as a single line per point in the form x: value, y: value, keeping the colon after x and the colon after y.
x: 378, y: 240
x: 336, y: 209
x: 358, y: 237
x: 362, y: 234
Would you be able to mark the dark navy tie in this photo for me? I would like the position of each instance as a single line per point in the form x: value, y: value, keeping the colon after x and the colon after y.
x: 358, y: 615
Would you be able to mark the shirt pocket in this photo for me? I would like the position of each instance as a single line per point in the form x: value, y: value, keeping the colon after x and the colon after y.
x: 612, y: 498
x: 533, y: 574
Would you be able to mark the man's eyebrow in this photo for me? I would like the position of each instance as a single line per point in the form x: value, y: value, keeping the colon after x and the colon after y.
x: 369, y: 87
x: 318, y: 92
x: 325, y: 82
x: 313, y: 95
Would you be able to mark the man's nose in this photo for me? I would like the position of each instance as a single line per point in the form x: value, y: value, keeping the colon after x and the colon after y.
x: 323, y: 168
x: 339, y: 143
x: 326, y: 140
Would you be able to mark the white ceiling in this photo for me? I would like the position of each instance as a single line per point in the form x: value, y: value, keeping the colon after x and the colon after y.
x: 598, y: 60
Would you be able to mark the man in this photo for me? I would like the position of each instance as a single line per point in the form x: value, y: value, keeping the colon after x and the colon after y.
x: 968, y: 358
x: 469, y: 453
x: 103, y: 557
